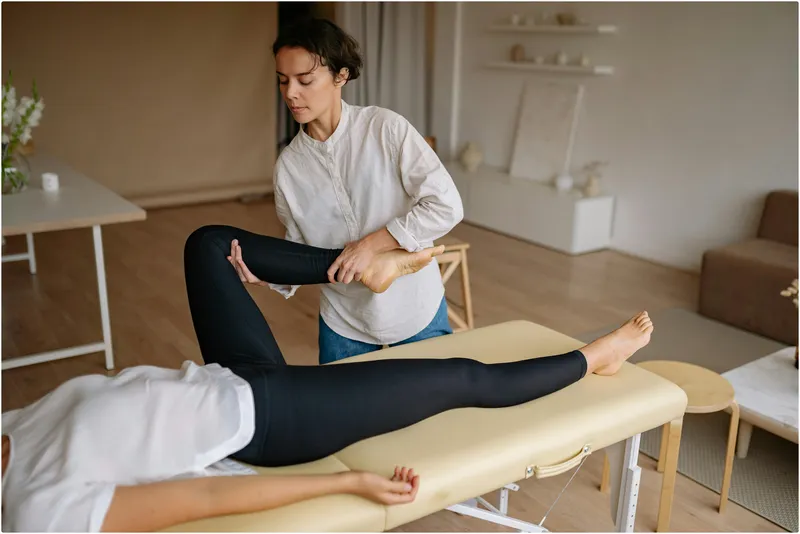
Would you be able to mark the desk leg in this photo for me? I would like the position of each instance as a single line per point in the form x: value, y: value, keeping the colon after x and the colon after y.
x: 31, y: 254
x: 103, y: 293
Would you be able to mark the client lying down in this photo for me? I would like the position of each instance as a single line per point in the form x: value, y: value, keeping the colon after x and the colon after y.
x: 129, y: 452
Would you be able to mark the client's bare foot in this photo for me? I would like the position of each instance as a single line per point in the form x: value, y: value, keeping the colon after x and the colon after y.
x: 387, y: 267
x: 605, y: 355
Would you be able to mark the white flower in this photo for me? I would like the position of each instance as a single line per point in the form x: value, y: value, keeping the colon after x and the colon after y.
x: 791, y: 291
x: 5, y: 138
x: 26, y: 136
x: 33, y: 120
x: 24, y: 104
x: 10, y: 97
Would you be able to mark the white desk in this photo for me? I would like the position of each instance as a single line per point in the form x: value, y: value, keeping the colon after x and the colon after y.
x: 78, y: 203
x: 766, y: 390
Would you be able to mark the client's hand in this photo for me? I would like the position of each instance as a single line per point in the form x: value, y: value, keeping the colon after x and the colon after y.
x: 241, y: 269
x: 401, y: 488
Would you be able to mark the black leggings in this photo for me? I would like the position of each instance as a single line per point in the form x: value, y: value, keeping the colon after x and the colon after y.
x: 304, y: 413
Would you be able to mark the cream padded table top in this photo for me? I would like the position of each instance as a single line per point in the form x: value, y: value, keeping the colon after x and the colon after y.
x: 469, y: 452
x: 78, y: 203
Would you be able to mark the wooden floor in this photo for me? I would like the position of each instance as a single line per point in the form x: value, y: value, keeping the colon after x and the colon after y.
x: 510, y: 280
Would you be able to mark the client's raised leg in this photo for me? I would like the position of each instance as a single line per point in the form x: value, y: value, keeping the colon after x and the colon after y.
x: 230, y: 328
x: 229, y: 325
x: 313, y: 412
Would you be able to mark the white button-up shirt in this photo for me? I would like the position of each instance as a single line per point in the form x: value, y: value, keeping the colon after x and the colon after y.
x: 375, y: 171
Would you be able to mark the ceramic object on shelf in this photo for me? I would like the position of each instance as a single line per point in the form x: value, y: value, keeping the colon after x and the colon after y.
x: 561, y: 58
x: 564, y: 182
x: 566, y: 19
x: 592, y: 187
x: 584, y: 60
x: 517, y: 53
x: 471, y: 157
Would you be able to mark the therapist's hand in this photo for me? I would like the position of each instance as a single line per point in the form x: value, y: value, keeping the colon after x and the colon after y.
x: 241, y: 269
x: 357, y: 256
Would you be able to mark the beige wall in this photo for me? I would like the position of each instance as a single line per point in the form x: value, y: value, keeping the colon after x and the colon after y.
x: 699, y: 121
x: 151, y: 99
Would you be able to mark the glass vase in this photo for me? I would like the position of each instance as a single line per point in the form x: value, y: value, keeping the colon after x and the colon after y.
x: 16, y: 175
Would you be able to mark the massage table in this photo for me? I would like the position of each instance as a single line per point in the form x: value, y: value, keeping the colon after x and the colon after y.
x: 469, y: 452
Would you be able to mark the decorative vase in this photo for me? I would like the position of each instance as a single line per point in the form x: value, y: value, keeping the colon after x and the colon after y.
x: 472, y: 157
x: 592, y: 187
x: 517, y: 53
x: 16, y: 175
x: 564, y: 182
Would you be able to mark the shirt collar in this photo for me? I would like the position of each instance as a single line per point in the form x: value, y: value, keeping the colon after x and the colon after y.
x: 337, y: 133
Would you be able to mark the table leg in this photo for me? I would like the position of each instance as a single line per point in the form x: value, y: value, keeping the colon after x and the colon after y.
x: 103, y: 294
x: 605, y: 479
x: 662, y: 451
x: 726, y: 477
x: 623, y: 461
x: 31, y: 253
x: 673, y: 431
x: 745, y: 433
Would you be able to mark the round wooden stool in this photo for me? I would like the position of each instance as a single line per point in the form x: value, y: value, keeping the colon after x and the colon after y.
x: 707, y: 392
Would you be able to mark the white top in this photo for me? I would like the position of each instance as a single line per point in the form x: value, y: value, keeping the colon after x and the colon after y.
x: 375, y: 171
x: 767, y: 387
x: 71, y: 448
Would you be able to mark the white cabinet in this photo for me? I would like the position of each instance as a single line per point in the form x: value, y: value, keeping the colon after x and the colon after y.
x: 533, y: 211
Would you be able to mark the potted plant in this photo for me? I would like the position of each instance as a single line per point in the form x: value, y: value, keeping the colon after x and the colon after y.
x: 791, y: 292
x: 19, y: 118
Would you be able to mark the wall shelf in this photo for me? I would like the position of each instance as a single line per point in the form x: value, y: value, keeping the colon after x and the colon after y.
x: 596, y: 70
x: 554, y: 28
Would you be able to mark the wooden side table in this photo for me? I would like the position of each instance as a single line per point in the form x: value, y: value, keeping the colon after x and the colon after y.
x: 707, y: 392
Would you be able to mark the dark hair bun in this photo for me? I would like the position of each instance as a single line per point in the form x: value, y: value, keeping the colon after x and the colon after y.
x: 336, y: 49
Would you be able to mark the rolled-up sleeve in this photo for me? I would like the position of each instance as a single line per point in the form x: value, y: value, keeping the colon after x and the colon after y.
x: 292, y: 233
x: 437, y: 203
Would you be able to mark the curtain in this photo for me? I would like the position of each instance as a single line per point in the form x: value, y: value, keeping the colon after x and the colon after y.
x: 393, y: 41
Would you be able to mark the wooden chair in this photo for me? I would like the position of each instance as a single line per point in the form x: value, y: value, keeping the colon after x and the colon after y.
x: 455, y: 256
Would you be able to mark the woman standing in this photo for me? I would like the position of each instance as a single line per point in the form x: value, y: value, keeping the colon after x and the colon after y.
x: 362, y: 179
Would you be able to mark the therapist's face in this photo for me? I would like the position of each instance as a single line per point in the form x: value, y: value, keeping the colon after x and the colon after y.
x: 308, y: 87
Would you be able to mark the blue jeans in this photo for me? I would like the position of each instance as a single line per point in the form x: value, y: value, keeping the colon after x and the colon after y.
x: 334, y: 347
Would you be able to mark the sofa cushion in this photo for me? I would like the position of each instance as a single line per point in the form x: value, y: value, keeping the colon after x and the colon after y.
x: 740, y: 285
x: 779, y: 219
